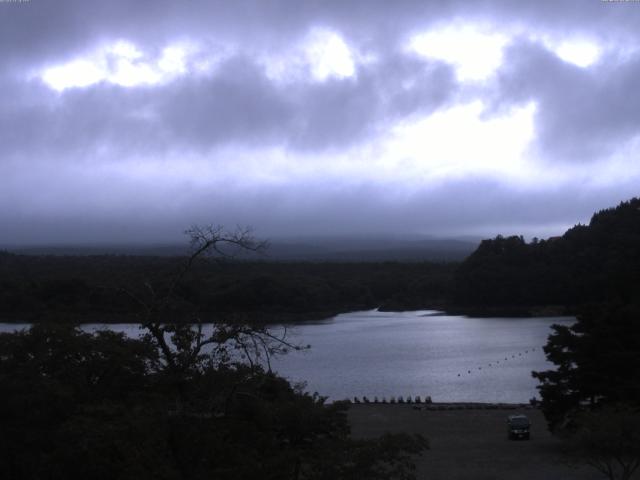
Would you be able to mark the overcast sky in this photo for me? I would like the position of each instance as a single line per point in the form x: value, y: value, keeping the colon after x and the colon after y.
x: 132, y: 120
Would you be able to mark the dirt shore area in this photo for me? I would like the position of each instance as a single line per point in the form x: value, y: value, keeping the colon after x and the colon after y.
x: 471, y: 443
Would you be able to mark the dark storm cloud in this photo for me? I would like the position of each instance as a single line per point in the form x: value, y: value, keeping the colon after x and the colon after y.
x: 78, y: 123
x: 583, y: 113
x: 394, y: 87
x: 238, y: 104
x: 40, y: 30
x: 53, y: 145
x: 37, y: 30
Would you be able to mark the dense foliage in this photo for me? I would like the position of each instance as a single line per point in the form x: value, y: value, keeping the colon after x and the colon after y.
x: 598, y: 262
x: 37, y: 288
x: 101, y: 406
x: 597, y: 363
x: 592, y: 396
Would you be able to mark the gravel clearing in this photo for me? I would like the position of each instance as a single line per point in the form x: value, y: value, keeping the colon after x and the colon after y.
x: 470, y: 443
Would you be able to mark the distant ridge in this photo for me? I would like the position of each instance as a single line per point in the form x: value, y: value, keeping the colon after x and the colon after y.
x: 348, y: 249
x: 106, y: 249
x: 168, y: 250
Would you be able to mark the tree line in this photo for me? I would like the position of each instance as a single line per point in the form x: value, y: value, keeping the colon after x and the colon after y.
x: 42, y: 288
x: 589, y: 263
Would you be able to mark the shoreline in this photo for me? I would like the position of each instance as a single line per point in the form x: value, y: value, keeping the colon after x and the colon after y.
x: 255, y: 318
x: 300, y: 318
x: 509, y: 311
x: 445, y: 406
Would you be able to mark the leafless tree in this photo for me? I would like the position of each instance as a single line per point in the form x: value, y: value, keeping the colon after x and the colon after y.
x: 186, y: 345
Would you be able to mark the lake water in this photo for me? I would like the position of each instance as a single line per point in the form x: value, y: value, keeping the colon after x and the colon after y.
x: 384, y: 354
x: 450, y: 358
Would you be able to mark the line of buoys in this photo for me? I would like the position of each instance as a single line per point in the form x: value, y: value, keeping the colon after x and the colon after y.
x: 400, y: 399
x: 418, y: 404
x: 505, y: 359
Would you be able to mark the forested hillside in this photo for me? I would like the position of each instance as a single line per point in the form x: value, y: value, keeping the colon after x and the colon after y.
x: 589, y: 263
x: 94, y: 288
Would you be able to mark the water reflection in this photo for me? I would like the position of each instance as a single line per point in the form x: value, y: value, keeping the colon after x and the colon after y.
x: 450, y: 358
x: 426, y: 353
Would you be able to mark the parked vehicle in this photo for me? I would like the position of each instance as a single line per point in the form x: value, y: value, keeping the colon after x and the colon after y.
x: 518, y: 426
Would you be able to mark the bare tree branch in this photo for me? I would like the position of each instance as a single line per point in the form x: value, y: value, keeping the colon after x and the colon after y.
x: 184, y: 346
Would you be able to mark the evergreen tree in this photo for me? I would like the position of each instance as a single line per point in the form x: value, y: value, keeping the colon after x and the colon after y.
x: 597, y: 363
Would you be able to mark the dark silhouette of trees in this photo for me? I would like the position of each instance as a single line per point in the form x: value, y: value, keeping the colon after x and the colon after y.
x: 594, y: 263
x: 592, y: 397
x: 184, y: 401
x: 88, y: 288
x: 597, y: 362
x: 185, y: 347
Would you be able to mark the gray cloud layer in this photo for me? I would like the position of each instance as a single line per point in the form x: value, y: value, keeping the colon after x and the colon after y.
x: 470, y: 207
x: 239, y: 104
x: 583, y: 115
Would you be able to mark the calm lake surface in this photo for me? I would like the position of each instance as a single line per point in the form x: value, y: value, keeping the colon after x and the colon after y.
x: 384, y: 354
x: 450, y: 358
